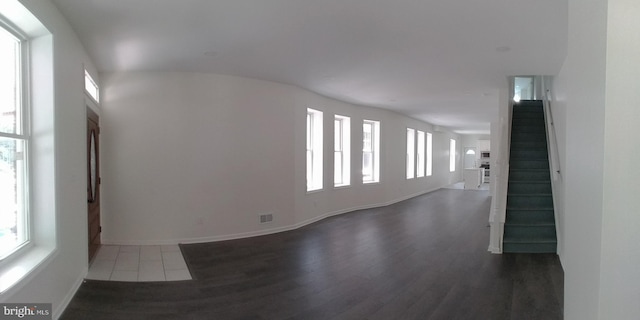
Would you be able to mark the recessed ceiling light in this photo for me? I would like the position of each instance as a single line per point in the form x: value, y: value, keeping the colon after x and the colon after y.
x: 503, y: 49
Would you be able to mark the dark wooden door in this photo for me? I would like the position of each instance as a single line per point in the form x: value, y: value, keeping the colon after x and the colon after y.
x: 93, y: 181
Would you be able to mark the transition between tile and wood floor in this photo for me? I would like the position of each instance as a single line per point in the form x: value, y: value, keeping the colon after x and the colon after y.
x: 139, y: 264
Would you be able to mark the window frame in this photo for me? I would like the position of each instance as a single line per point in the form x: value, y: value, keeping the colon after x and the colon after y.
x: 89, y: 83
x: 21, y: 136
x: 429, y: 168
x: 374, y: 152
x: 420, y: 159
x: 314, y: 154
x: 342, y: 151
x: 452, y: 155
x: 410, y: 162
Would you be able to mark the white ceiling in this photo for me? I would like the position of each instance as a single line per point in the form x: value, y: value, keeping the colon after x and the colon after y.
x: 441, y: 61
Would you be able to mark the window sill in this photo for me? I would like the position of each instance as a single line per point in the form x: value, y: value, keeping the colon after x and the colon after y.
x: 370, y: 182
x: 342, y: 186
x: 14, y: 272
x: 314, y: 191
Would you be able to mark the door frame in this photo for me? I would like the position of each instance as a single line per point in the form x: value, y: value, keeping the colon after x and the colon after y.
x: 94, y: 227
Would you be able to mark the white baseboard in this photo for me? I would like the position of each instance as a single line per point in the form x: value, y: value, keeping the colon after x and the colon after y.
x: 495, y: 250
x: 262, y: 232
x: 67, y: 298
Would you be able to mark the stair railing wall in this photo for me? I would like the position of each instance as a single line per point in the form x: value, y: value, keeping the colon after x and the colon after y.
x: 497, y: 216
x: 553, y: 151
x: 552, y: 142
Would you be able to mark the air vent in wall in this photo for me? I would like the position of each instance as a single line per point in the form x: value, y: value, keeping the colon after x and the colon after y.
x: 266, y: 218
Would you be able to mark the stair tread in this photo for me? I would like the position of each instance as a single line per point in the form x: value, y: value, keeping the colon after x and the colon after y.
x: 529, y: 208
x: 529, y: 240
x: 531, y: 182
x: 530, y: 224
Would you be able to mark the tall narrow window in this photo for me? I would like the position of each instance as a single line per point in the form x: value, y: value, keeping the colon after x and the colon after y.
x: 370, y: 151
x: 429, y: 154
x: 14, y: 141
x: 411, y: 150
x: 420, y: 155
x: 342, y: 151
x: 452, y: 155
x: 91, y: 87
x: 314, y: 150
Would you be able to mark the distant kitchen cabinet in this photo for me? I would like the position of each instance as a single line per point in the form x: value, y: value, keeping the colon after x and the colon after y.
x: 473, y: 178
x: 484, y: 145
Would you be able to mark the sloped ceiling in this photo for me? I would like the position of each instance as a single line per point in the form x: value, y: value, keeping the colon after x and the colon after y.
x: 439, y: 61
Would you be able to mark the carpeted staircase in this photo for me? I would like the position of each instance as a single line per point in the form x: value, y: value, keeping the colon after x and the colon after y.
x: 530, y: 223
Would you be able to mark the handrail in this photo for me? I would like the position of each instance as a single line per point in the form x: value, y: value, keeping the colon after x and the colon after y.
x: 554, y: 159
x: 554, y: 156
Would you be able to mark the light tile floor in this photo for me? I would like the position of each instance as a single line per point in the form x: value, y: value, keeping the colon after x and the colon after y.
x: 460, y: 186
x: 139, y: 263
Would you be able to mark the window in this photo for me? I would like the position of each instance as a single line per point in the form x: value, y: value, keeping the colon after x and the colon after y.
x: 420, y: 155
x: 429, y: 154
x: 314, y: 150
x: 91, y: 87
x: 370, y: 151
x: 14, y: 141
x: 342, y: 151
x: 411, y: 150
x: 452, y: 155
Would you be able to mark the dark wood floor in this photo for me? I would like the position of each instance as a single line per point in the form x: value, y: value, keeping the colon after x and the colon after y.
x: 424, y: 258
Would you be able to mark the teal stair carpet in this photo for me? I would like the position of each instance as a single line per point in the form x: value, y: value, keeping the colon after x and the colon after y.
x: 530, y: 224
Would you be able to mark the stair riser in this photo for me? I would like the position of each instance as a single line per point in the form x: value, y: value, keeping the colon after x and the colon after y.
x: 530, y: 216
x: 528, y: 104
x: 529, y: 154
x: 542, y: 144
x: 517, y: 138
x: 530, y: 232
x: 528, y: 128
x: 529, y: 201
x: 528, y: 188
x: 528, y: 175
x: 529, y: 164
x: 529, y: 247
x: 537, y: 121
x: 527, y: 117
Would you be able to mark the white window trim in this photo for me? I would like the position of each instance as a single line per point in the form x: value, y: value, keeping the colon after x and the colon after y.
x: 344, y: 149
x: 26, y: 263
x: 420, y: 159
x: 429, y: 155
x: 452, y: 155
x: 411, y: 154
x: 375, y: 137
x: 22, y: 134
x: 314, y: 142
x: 90, y: 86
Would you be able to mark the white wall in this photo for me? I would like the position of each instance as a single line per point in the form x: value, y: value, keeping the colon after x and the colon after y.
x: 196, y: 157
x: 188, y: 156
x: 620, y: 263
x: 594, y: 116
x: 56, y: 280
x: 580, y: 94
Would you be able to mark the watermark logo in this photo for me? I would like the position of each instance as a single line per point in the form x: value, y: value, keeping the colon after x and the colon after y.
x: 25, y: 311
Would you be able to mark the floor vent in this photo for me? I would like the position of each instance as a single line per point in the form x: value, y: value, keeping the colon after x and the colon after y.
x: 266, y: 218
